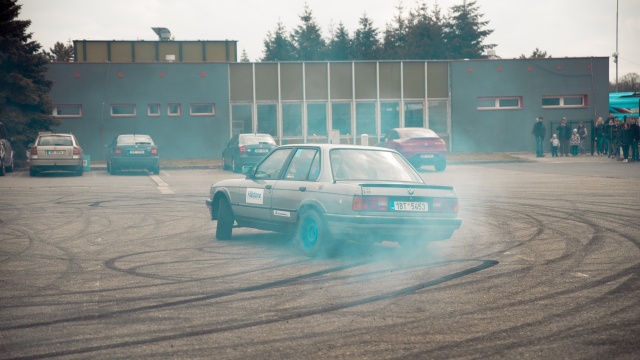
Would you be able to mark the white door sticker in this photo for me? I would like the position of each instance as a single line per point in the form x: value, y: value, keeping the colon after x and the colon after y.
x: 255, y: 196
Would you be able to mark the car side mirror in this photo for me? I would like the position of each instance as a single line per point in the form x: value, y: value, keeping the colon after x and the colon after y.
x: 30, y: 145
x: 247, y: 170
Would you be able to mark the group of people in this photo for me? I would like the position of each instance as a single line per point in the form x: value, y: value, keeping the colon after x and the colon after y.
x: 610, y: 138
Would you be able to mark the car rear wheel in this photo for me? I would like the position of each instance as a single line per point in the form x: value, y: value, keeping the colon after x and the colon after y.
x: 156, y: 170
x: 9, y: 168
x: 2, y: 169
x: 312, y: 236
x: 225, y: 220
x: 79, y: 171
x: 114, y: 170
x: 33, y: 172
x: 224, y: 164
x: 441, y: 165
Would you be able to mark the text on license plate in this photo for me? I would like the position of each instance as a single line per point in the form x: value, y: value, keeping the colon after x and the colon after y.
x: 426, y: 156
x: 55, y: 152
x: 262, y: 150
x: 409, y: 206
x: 136, y: 152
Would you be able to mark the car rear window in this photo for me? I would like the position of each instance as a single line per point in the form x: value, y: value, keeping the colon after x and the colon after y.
x: 357, y: 164
x: 418, y: 133
x: 255, y: 139
x: 55, y: 141
x: 135, y: 140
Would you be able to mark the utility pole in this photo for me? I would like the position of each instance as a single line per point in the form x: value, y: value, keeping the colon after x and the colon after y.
x: 615, y: 55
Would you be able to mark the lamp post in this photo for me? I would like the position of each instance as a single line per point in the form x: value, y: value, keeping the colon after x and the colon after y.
x: 615, y: 55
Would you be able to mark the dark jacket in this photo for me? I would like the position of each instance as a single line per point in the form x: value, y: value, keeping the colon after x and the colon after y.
x: 599, y: 132
x: 625, y: 136
x: 564, y: 132
x: 538, y: 129
x: 610, y: 131
x: 635, y: 132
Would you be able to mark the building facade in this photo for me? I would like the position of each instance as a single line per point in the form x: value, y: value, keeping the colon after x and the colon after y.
x: 191, y: 109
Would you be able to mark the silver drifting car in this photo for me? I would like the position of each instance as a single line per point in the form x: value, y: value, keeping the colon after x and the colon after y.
x: 329, y: 193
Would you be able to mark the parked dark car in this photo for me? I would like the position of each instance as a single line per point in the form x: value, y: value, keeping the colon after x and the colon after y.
x: 420, y: 146
x: 6, y: 152
x: 246, y: 150
x: 132, y: 152
x: 327, y: 194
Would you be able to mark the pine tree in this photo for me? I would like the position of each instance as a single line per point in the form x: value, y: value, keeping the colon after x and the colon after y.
x: 307, y: 38
x: 277, y: 46
x: 60, y: 52
x: 339, y: 47
x: 394, y: 40
x: 366, y: 45
x: 244, y: 57
x: 25, y: 107
x: 465, y: 32
x: 536, y: 54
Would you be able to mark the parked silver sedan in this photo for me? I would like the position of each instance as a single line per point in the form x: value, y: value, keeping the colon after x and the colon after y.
x: 328, y: 193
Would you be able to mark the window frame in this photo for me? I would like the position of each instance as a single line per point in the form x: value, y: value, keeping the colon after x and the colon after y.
x: 561, y: 99
x: 151, y: 114
x: 78, y: 106
x: 211, y: 113
x: 496, y: 103
x: 172, y: 114
x: 134, y: 114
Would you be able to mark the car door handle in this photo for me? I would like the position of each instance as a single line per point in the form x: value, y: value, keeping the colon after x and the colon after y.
x: 302, y: 188
x: 268, y: 187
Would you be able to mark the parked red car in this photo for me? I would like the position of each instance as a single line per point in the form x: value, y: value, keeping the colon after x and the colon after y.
x: 418, y: 145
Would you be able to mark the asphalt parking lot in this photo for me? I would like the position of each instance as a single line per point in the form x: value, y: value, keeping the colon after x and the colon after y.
x: 545, y: 265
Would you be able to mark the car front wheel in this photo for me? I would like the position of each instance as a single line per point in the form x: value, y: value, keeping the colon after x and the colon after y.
x: 236, y: 165
x: 225, y: 220
x: 441, y: 165
x: 312, y: 237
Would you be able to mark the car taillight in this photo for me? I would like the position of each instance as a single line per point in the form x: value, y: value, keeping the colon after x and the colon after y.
x: 154, y: 151
x: 34, y: 151
x: 445, y: 205
x: 242, y: 149
x: 117, y: 151
x: 370, y: 203
x: 76, y: 151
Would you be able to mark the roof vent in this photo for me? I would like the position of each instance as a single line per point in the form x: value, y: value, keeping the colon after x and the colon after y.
x: 163, y: 33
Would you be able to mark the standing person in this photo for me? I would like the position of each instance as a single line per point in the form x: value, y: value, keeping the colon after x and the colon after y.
x: 555, y: 144
x: 599, y: 136
x: 539, y: 132
x: 575, y: 142
x: 610, y: 131
x: 635, y: 136
x: 582, y: 131
x: 564, y: 134
x: 625, y: 141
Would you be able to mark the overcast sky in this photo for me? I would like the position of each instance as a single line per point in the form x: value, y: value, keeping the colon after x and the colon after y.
x: 562, y: 28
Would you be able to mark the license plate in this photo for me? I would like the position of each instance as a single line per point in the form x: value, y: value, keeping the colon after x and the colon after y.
x: 427, y: 156
x: 409, y: 206
x: 136, y: 152
x: 55, y: 152
x: 262, y: 151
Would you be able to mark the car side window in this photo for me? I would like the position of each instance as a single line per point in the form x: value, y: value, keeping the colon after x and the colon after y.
x: 271, y: 166
x: 300, y: 167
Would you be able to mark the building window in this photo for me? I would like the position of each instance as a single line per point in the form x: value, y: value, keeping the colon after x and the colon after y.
x: 389, y: 116
x: 241, y: 119
x: 438, y: 111
x: 414, y: 114
x: 291, y: 120
x: 366, y: 118
x: 123, y: 110
x: 67, y: 111
x: 565, y: 101
x: 173, y: 109
x: 203, y: 109
x: 153, y: 110
x: 341, y: 118
x: 316, y: 120
x: 268, y: 119
x: 500, y: 103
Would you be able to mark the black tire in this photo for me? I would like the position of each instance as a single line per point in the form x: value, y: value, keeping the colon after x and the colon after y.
x: 236, y: 165
x: 224, y: 164
x: 225, y: 220
x: 33, y: 172
x: 79, y: 171
x: 108, y: 167
x: 2, y: 168
x: 9, y: 169
x: 114, y: 170
x: 312, y: 236
x: 441, y: 165
x: 156, y: 170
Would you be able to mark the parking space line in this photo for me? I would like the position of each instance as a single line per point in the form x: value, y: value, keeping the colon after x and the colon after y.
x: 163, y: 187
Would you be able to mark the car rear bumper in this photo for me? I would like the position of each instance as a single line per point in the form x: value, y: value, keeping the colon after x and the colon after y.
x: 377, y: 228
x: 424, y: 159
x: 135, y: 163
x: 55, y: 164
